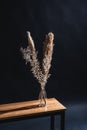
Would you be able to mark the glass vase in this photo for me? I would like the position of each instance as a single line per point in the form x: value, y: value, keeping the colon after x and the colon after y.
x: 42, y: 96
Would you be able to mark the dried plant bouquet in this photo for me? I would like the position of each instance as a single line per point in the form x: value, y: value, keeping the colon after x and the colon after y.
x: 40, y: 71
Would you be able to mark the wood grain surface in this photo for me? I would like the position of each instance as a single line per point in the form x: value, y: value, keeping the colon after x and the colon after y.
x: 29, y: 108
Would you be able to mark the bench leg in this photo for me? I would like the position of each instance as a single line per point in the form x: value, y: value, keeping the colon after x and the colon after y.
x: 62, y: 121
x: 52, y: 122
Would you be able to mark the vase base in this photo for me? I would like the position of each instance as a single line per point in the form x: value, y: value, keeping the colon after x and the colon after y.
x: 42, y: 105
x: 42, y: 102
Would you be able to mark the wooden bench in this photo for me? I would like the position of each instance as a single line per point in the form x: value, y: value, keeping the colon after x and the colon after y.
x: 30, y: 109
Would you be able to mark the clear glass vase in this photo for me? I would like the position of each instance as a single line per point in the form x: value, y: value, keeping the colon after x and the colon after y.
x: 42, y: 96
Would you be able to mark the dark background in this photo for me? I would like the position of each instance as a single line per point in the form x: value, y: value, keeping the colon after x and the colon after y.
x: 67, y: 19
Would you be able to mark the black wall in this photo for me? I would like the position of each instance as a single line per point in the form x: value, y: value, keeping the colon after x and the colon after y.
x: 67, y: 19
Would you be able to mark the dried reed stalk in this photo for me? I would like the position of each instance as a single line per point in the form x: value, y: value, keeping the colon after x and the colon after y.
x: 41, y: 73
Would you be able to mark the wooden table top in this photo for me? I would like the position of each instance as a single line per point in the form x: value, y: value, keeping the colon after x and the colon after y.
x: 29, y: 108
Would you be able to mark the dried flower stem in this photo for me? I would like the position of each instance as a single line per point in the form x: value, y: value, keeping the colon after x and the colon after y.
x: 30, y: 55
x: 47, y: 54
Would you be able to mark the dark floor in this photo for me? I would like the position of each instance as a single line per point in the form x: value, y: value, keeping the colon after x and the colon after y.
x: 76, y: 119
